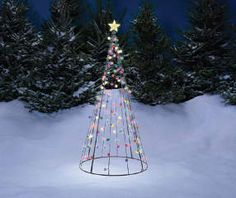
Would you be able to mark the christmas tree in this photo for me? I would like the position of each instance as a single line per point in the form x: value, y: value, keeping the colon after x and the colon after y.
x: 113, y: 145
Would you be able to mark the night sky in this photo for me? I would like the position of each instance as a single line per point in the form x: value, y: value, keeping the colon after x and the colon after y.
x: 172, y: 14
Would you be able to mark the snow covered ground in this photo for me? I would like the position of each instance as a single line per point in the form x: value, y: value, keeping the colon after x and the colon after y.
x: 191, y: 151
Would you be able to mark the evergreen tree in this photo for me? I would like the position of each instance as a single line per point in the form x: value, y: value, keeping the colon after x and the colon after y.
x: 97, y: 32
x: 227, y: 89
x: 77, y: 13
x: 62, y: 70
x: 149, y: 71
x: 18, y: 45
x: 227, y: 86
x: 205, y: 53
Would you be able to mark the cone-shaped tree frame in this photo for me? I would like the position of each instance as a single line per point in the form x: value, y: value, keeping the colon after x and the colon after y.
x: 113, y: 145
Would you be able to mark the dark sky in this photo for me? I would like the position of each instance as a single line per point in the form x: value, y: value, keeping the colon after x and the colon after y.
x: 171, y: 13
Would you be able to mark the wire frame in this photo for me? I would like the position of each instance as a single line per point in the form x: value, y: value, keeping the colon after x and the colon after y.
x: 113, y: 146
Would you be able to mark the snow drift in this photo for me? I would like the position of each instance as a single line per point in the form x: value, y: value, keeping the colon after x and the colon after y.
x: 190, y: 149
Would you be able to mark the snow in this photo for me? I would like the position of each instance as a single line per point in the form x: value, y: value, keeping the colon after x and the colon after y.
x: 225, y: 77
x: 50, y: 49
x: 84, y: 88
x: 212, y: 57
x: 72, y: 38
x: 35, y: 43
x: 190, y: 149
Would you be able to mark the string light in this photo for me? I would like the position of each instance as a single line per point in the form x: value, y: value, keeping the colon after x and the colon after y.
x: 139, y: 151
x: 113, y: 131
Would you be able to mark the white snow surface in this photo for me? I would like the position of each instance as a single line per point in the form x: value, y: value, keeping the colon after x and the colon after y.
x: 190, y: 150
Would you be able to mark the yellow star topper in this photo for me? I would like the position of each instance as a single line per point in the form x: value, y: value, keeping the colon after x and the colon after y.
x: 114, y: 26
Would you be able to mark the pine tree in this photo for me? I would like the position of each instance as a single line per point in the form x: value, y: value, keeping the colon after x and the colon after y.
x: 149, y: 71
x: 227, y: 86
x: 97, y: 32
x: 18, y: 44
x: 77, y: 13
x: 62, y: 70
x: 205, y: 53
x: 227, y: 89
